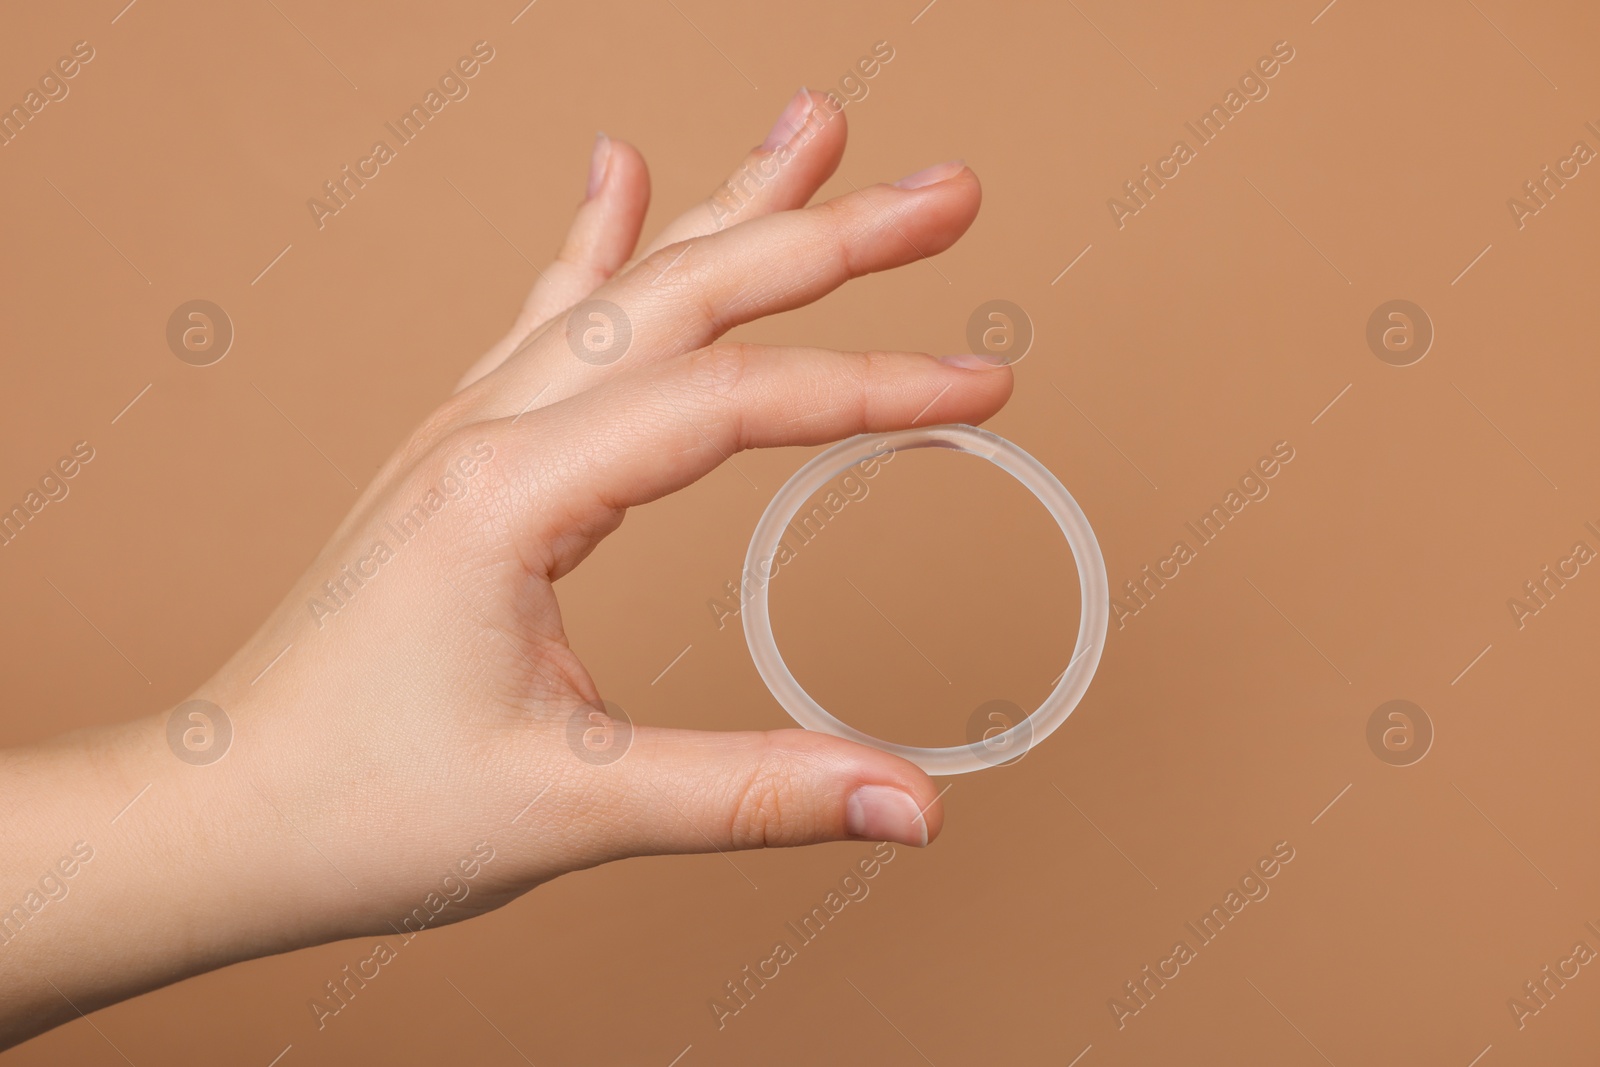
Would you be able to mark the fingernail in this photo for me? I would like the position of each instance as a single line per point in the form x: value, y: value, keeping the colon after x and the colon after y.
x: 597, y: 164
x: 883, y: 813
x: 789, y: 123
x: 972, y: 361
x: 932, y: 175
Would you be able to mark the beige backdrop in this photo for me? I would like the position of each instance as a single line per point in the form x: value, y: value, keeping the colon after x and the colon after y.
x: 1175, y: 346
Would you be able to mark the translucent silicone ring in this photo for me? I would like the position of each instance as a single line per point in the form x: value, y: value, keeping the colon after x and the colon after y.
x: 1094, y: 614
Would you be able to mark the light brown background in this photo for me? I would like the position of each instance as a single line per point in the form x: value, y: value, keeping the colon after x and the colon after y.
x: 1222, y: 319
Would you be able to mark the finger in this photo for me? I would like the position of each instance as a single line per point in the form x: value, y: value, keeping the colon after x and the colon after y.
x: 603, y: 235
x: 678, y: 791
x: 645, y: 435
x: 685, y: 296
x: 800, y: 153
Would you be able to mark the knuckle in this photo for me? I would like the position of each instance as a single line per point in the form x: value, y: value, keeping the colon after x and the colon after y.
x: 457, y: 485
x: 457, y: 417
x: 869, y: 371
x: 677, y: 274
x: 718, y: 369
x: 574, y: 272
x: 660, y: 264
x: 840, y: 224
x: 762, y: 815
x: 455, y: 414
x: 463, y: 463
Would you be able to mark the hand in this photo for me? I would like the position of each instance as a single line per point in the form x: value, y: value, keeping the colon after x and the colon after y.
x: 427, y: 704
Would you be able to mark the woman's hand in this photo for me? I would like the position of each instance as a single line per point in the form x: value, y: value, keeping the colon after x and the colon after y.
x: 428, y: 712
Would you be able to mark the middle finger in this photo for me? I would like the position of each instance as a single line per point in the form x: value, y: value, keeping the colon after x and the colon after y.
x: 685, y: 296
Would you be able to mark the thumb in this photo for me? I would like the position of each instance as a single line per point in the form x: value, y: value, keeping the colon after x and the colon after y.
x: 694, y: 791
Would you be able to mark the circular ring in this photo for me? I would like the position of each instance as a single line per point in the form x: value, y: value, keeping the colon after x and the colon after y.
x: 1095, y: 611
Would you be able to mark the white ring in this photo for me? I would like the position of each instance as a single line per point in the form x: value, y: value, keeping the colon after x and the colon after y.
x: 1095, y: 611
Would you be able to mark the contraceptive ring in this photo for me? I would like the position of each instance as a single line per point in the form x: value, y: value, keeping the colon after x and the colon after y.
x: 1094, y: 613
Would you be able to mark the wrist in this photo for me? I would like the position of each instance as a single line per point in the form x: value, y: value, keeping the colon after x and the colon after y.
x: 221, y: 832
x: 156, y: 866
x: 203, y: 859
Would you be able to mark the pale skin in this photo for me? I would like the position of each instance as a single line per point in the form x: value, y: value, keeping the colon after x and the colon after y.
x: 426, y: 714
